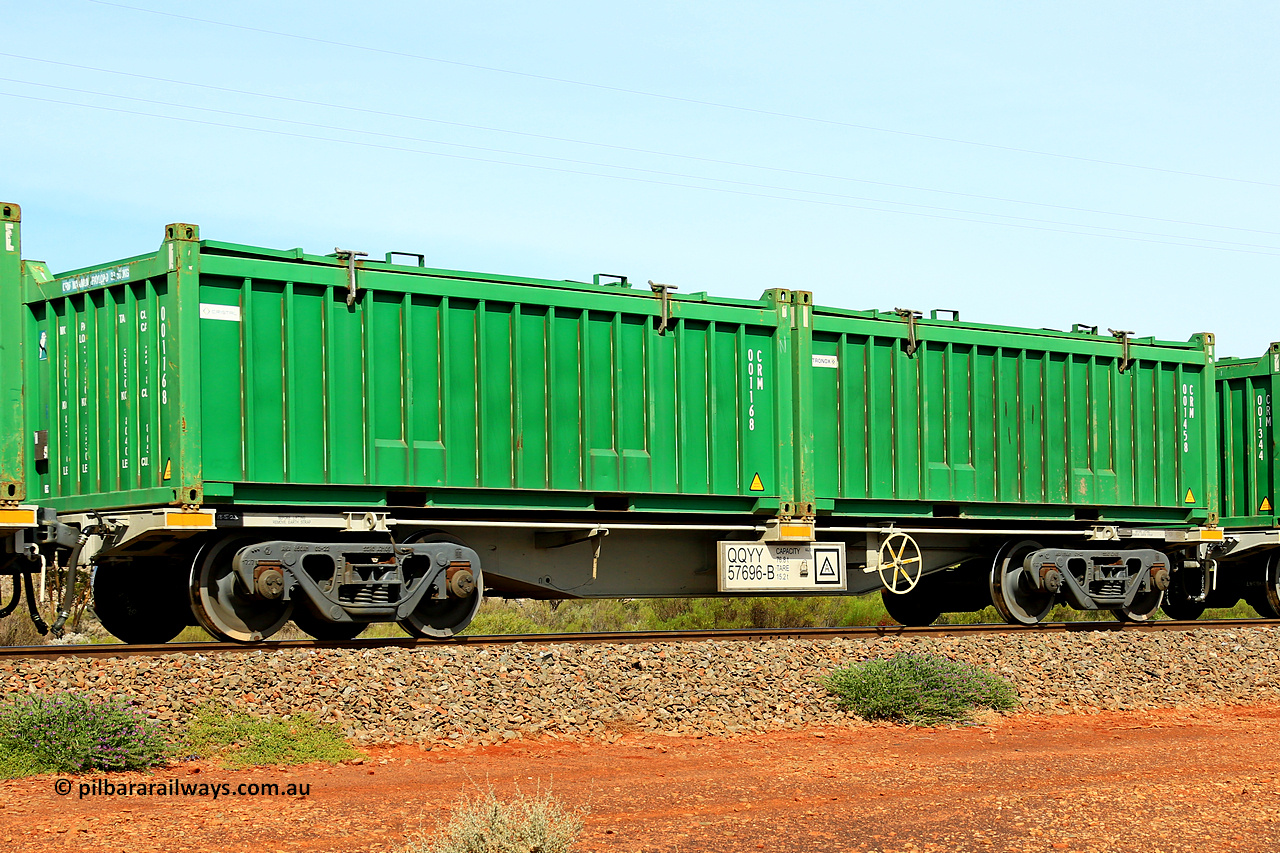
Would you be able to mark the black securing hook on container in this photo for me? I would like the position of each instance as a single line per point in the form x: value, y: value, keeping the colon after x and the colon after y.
x: 1123, y: 337
x: 910, y: 316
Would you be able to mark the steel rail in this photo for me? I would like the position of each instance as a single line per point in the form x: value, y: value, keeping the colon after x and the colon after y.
x: 115, y: 650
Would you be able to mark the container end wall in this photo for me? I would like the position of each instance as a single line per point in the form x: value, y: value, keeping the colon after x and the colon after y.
x: 12, y: 433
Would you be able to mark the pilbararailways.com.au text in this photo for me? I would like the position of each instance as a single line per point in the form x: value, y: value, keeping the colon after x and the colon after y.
x: 172, y: 788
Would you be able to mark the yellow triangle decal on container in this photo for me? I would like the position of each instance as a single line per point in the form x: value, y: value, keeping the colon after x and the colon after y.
x: 168, y: 468
x: 756, y: 484
x: 1190, y: 497
x: 1266, y: 505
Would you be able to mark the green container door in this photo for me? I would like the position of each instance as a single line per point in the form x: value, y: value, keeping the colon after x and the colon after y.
x: 996, y: 422
x: 1247, y: 396
x: 448, y: 389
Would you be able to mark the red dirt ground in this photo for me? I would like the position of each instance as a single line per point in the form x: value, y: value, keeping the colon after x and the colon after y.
x: 1175, y: 780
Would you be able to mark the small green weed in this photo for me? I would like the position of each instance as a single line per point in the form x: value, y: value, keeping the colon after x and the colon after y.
x: 68, y: 733
x: 241, y: 740
x: 919, y: 689
x: 489, y: 825
x: 15, y: 763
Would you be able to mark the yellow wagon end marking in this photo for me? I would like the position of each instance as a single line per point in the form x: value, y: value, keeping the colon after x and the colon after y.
x: 18, y: 517
x: 188, y: 519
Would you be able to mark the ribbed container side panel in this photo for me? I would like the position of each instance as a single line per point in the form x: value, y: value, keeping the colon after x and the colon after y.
x: 1003, y: 419
x: 99, y: 387
x: 1247, y: 392
x: 428, y: 383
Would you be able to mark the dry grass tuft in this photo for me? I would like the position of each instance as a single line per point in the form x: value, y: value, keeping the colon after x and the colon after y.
x: 488, y: 825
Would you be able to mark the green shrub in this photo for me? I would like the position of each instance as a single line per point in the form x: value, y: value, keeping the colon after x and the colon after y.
x: 502, y: 616
x: 17, y: 763
x: 488, y: 825
x: 241, y: 740
x: 919, y: 689
x: 68, y: 733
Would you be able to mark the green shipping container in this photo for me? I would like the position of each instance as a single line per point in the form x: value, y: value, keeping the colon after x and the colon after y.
x: 1247, y: 394
x: 939, y: 418
x: 212, y: 373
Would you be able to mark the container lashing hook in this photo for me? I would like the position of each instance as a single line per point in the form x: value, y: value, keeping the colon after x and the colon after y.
x: 1123, y: 337
x: 664, y: 294
x: 350, y: 257
x: 910, y: 316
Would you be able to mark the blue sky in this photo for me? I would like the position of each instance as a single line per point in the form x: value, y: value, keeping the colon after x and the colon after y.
x: 1031, y: 164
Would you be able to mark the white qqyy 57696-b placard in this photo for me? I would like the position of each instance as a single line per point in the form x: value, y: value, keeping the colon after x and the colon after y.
x: 781, y: 566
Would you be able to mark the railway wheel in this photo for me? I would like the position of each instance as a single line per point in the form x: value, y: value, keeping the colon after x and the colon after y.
x: 323, y: 629
x: 141, y: 601
x: 221, y: 603
x: 915, y: 609
x: 1142, y: 609
x: 442, y: 618
x: 1013, y: 590
x: 1262, y: 590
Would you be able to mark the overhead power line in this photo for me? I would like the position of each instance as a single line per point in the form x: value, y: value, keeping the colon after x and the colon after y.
x: 1178, y: 241
x: 329, y: 106
x: 682, y: 99
x: 599, y: 165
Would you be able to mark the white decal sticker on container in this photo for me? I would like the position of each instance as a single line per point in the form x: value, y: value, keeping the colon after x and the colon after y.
x: 219, y: 312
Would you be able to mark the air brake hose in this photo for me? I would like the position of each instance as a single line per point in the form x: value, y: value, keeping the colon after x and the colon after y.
x: 32, y: 604
x: 69, y: 595
x: 6, y: 609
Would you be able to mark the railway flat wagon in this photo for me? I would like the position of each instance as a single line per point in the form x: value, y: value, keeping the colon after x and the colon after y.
x: 184, y: 405
x: 234, y: 436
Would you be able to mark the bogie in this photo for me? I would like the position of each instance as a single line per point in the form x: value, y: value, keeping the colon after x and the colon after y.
x: 244, y: 590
